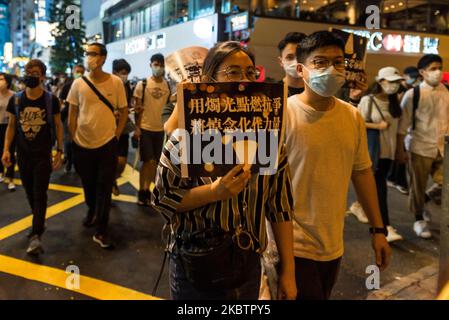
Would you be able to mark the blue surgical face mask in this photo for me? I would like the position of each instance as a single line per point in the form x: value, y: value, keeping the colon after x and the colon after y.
x: 325, y: 83
x: 158, y: 71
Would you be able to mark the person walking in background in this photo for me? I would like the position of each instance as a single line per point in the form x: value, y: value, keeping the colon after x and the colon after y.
x: 78, y: 72
x: 121, y: 68
x: 93, y: 126
x: 35, y: 119
x: 426, y: 119
x: 151, y: 94
x: 5, y: 95
x: 381, y: 111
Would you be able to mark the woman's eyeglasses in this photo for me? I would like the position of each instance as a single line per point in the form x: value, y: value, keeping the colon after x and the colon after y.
x: 235, y: 73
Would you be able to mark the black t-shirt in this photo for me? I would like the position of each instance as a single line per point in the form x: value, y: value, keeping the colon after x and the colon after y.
x: 292, y: 90
x: 34, y: 132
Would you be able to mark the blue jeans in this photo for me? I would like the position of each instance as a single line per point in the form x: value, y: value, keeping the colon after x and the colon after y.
x: 182, y: 289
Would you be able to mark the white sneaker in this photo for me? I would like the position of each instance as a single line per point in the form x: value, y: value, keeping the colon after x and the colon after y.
x: 357, y: 210
x: 401, y: 189
x: 11, y: 186
x: 391, y: 184
x: 35, y: 246
x: 421, y: 229
x: 393, y: 235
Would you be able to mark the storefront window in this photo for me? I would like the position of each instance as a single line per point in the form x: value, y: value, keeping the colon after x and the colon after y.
x: 156, y: 13
x: 203, y: 8
x: 169, y: 12
x: 182, y: 11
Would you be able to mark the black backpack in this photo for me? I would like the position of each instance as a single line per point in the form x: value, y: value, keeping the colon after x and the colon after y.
x: 18, y: 102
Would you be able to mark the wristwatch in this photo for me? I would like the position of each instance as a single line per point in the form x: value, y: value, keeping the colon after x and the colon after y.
x: 378, y: 230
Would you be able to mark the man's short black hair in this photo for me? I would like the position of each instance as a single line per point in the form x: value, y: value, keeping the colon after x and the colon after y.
x: 291, y: 37
x: 103, y: 50
x: 36, y: 63
x: 121, y: 64
x: 318, y: 40
x: 412, y: 71
x: 427, y: 60
x: 8, y: 79
x: 158, y: 57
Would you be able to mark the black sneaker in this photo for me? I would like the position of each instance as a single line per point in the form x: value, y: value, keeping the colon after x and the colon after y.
x: 35, y: 246
x: 142, y: 198
x: 115, y: 189
x: 103, y: 241
x: 89, y: 220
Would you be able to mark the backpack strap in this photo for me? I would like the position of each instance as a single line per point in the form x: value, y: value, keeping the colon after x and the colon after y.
x: 144, y: 87
x: 416, y: 94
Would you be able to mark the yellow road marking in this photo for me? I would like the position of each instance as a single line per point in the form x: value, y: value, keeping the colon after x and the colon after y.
x: 125, y: 198
x: 91, y: 287
x: 57, y: 187
x: 26, y: 222
x: 132, y: 176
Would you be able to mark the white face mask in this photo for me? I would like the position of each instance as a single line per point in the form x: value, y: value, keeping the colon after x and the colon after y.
x: 434, y: 77
x: 92, y: 63
x: 325, y: 83
x: 390, y: 87
x: 290, y: 68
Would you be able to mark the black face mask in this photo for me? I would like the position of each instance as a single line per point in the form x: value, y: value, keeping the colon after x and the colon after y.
x: 31, y: 82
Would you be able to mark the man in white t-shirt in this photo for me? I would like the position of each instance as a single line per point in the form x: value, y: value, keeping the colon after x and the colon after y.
x: 151, y: 94
x: 95, y: 134
x: 326, y: 147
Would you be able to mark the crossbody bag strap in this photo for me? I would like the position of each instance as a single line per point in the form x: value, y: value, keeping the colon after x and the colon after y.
x: 99, y: 95
x: 377, y: 107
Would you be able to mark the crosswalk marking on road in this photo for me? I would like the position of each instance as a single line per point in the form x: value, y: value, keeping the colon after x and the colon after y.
x: 91, y: 287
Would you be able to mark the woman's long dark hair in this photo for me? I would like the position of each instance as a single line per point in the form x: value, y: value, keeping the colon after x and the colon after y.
x: 217, y: 54
x: 393, y: 106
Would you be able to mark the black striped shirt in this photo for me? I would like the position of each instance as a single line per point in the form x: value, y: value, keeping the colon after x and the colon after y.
x: 268, y: 196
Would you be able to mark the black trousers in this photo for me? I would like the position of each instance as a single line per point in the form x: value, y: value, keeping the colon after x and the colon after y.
x: 96, y: 167
x: 398, y: 174
x: 35, y: 173
x: 12, y: 151
x: 315, y: 279
x: 383, y: 167
x: 68, y: 148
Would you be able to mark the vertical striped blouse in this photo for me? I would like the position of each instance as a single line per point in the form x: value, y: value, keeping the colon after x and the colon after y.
x: 268, y: 196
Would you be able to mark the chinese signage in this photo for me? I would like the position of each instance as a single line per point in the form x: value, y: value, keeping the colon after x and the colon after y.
x: 145, y: 43
x: 411, y: 44
x: 225, y: 124
x: 355, y: 57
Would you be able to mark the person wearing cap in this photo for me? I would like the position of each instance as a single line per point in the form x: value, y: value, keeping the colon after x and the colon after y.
x: 426, y: 120
x: 381, y: 111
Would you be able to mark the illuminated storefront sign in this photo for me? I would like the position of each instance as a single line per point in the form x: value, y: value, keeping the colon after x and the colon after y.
x: 145, y: 43
x: 239, y: 22
x: 391, y: 42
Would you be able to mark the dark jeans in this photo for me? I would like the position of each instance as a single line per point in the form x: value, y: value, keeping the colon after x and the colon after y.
x: 35, y: 174
x: 383, y: 167
x: 315, y: 279
x: 96, y: 167
x: 398, y: 174
x: 182, y: 289
x: 12, y: 150
x: 68, y: 145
